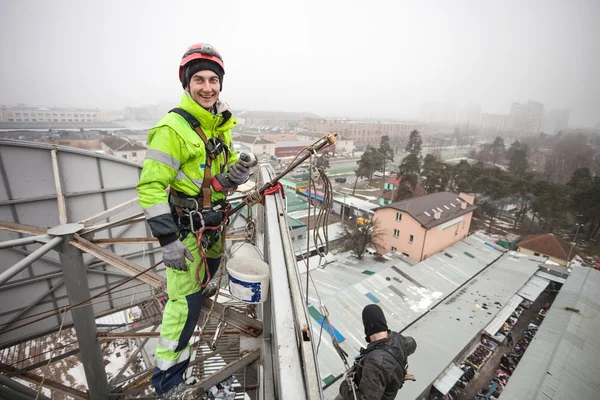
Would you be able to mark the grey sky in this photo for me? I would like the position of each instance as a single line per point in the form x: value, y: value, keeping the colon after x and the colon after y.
x: 357, y: 58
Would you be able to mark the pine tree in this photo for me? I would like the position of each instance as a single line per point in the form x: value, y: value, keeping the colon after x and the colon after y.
x: 410, y: 168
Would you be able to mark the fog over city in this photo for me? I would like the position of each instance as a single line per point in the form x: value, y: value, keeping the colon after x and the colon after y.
x: 380, y: 59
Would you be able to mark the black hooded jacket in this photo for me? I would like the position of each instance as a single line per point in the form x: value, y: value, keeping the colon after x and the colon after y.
x: 381, y: 368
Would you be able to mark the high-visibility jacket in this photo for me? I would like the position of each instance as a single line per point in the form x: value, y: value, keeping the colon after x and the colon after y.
x: 176, y: 156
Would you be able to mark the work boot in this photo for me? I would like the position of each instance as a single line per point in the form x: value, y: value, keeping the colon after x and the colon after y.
x: 210, y: 290
x: 183, y: 391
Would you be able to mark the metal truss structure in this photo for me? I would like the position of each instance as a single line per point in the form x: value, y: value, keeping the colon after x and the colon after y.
x: 71, y: 230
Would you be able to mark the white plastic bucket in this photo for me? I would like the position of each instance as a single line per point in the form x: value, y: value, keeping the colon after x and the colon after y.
x: 248, y: 279
x: 245, y: 250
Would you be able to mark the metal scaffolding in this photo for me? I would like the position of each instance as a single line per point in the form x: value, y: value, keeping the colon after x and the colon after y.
x: 102, y: 252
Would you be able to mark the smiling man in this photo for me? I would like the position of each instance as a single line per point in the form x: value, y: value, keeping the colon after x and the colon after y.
x: 189, y: 154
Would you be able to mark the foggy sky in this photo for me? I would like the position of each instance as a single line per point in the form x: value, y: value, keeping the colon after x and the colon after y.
x: 333, y: 57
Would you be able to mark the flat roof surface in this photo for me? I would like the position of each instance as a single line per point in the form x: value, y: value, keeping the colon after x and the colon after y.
x: 563, y: 359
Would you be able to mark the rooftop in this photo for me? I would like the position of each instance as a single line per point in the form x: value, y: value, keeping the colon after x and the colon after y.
x: 563, y: 360
x: 423, y: 208
x: 357, y: 203
x: 452, y: 326
x: 549, y: 244
x: 118, y: 143
x: 405, y: 292
x: 252, y: 139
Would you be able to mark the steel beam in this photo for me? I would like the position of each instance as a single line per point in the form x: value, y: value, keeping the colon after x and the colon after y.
x: 48, y: 383
x: 229, y: 369
x: 44, y: 362
x: 21, y: 265
x: 108, y: 213
x: 62, y: 204
x: 24, y: 241
x: 84, y: 321
x: 132, y: 335
x: 139, y: 217
x: 138, y: 240
x: 22, y: 389
x: 284, y: 341
x: 117, y: 261
x: 72, y: 194
x: 308, y: 353
x: 22, y: 228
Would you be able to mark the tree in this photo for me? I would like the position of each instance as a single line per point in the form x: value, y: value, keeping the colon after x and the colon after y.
x: 357, y: 238
x: 435, y: 174
x: 551, y: 204
x: 369, y: 163
x: 323, y: 161
x: 517, y: 154
x: 460, y: 177
x: 410, y: 168
x: 385, y: 152
x: 585, y: 200
x: 497, y: 149
x: 569, y: 153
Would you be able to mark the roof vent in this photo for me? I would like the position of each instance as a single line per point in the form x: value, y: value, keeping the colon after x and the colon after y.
x: 463, y: 205
x: 437, y: 215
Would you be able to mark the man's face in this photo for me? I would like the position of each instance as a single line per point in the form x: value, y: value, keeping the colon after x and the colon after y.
x: 204, y: 88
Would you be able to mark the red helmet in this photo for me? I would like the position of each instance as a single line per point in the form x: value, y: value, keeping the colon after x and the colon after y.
x: 199, y: 51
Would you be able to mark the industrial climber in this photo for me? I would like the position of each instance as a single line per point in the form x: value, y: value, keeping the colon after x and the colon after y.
x: 189, y: 168
x: 380, y: 370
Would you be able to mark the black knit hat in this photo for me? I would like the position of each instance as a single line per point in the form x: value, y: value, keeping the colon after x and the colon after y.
x: 373, y: 320
x: 202, y: 65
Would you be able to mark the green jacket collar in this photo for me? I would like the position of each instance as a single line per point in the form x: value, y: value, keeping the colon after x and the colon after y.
x: 207, y: 120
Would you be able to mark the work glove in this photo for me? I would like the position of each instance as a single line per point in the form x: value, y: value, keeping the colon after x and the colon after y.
x: 174, y: 255
x: 238, y: 173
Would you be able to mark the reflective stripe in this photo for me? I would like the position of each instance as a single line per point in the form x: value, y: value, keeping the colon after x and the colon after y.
x: 180, y: 176
x: 163, y: 158
x: 168, y: 343
x: 164, y: 365
x: 156, y: 210
x: 197, y: 182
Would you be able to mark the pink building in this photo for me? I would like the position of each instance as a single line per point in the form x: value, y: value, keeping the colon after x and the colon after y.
x: 420, y: 227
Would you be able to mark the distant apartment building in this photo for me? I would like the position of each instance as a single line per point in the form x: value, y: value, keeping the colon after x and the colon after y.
x: 555, y: 121
x: 526, y: 118
x: 426, y: 225
x: 494, y: 123
x: 123, y: 148
x: 31, y: 115
x: 360, y: 132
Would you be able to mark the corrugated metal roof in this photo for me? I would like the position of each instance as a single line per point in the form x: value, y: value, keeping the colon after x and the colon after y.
x: 355, y: 202
x: 450, y: 327
x: 404, y: 292
x: 550, y: 277
x: 563, y: 360
x: 494, y: 326
x: 445, y: 382
x: 533, y: 288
